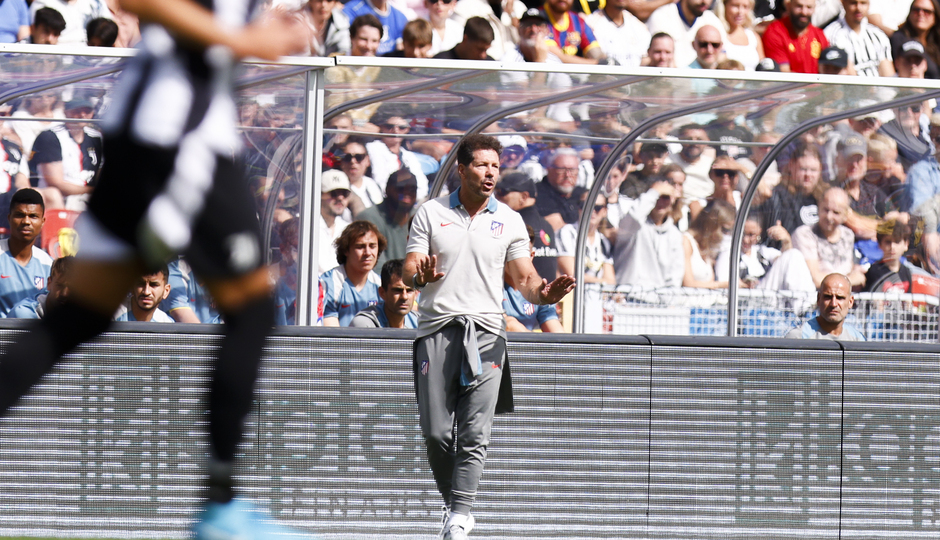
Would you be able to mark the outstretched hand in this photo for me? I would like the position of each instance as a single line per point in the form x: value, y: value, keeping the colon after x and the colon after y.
x: 427, y: 269
x: 551, y: 293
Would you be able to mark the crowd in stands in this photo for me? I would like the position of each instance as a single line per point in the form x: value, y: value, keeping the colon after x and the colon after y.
x: 860, y: 197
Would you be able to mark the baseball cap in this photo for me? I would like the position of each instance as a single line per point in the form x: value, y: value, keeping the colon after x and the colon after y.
x: 333, y: 179
x: 912, y: 47
x: 834, y: 56
x: 533, y: 16
x: 517, y: 181
x: 852, y: 144
x: 512, y: 140
x: 655, y: 147
x: 402, y: 178
x: 767, y: 64
x: 884, y: 116
x: 79, y: 103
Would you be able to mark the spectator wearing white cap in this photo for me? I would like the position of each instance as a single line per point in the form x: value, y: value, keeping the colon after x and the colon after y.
x: 911, y: 60
x: 334, y: 198
x: 866, y: 44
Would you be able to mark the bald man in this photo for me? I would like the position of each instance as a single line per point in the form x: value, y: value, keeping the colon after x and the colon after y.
x: 833, y: 302
x: 708, y: 45
x: 829, y: 246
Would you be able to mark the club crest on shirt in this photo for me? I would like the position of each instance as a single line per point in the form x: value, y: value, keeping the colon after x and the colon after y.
x: 496, y: 228
x: 39, y: 282
x: 424, y: 367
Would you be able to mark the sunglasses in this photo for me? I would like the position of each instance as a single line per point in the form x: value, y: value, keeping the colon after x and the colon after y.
x: 337, y: 193
x: 348, y: 158
x: 399, y: 127
x: 407, y: 192
x: 445, y: 2
x: 725, y: 172
x: 599, y: 207
x: 706, y: 44
x: 922, y: 10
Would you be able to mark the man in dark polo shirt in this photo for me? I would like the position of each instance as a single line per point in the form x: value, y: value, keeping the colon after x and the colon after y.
x: 393, y: 214
x: 478, y: 35
x: 559, y: 195
x: 517, y: 191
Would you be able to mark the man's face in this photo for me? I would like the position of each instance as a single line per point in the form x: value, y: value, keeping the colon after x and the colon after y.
x: 58, y: 287
x: 707, y: 46
x: 652, y: 161
x: 865, y: 126
x: 801, y: 13
x: 834, y: 300
x: 853, y: 167
x: 79, y: 113
x: 365, y: 42
x: 559, y: 6
x: 697, y: 7
x: 833, y: 210
x: 511, y: 157
x: 892, y: 250
x: 355, y: 161
x: 150, y: 290
x: 691, y: 152
x: 911, y: 66
x: 531, y: 32
x: 394, y: 125
x: 480, y: 176
x: 404, y: 196
x: 335, y: 202
x: 475, y: 50
x: 26, y: 222
x: 363, y: 253
x: 855, y: 11
x: 828, y: 69
x: 563, y: 174
x: 661, y: 52
x: 399, y: 298
x: 417, y: 50
x: 804, y: 174
x: 321, y: 8
x: 43, y: 36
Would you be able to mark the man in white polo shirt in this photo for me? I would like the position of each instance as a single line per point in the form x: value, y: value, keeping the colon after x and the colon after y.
x: 457, y: 250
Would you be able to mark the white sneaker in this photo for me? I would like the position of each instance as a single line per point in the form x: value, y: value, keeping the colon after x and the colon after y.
x: 445, y: 517
x: 456, y: 532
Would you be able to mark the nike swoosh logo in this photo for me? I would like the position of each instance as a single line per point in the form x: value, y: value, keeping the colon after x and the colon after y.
x: 4, y: 277
x: 446, y: 224
x: 344, y: 306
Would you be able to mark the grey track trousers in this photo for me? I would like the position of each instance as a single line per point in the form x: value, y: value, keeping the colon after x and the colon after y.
x: 443, y: 401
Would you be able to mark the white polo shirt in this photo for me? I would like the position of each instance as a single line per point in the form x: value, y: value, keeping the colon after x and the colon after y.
x: 471, y: 252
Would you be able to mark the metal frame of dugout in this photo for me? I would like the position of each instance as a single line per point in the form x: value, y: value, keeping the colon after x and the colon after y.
x: 644, y: 437
x: 736, y: 91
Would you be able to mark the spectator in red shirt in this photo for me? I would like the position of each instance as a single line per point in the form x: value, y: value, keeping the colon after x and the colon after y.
x: 793, y: 42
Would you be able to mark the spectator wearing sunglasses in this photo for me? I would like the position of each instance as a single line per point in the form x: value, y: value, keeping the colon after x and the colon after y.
x: 724, y: 173
x: 393, y: 215
x: 392, y: 20
x: 334, y: 198
x: 598, y: 261
x: 354, y: 161
x: 682, y: 20
x: 446, y: 32
x: 388, y: 154
x: 707, y: 48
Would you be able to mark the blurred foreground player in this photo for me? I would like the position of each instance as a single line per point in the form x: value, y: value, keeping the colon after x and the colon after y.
x: 457, y: 250
x: 173, y: 187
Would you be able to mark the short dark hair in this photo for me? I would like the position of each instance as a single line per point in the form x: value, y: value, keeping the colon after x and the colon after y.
x: 474, y: 142
x: 105, y: 30
x: 354, y: 231
x: 386, y: 111
x: 51, y: 19
x: 367, y: 19
x: 692, y: 127
x: 27, y: 196
x: 805, y: 149
x: 62, y: 266
x: 660, y: 35
x: 165, y: 270
x: 417, y: 32
x: 478, y: 29
x: 390, y: 269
